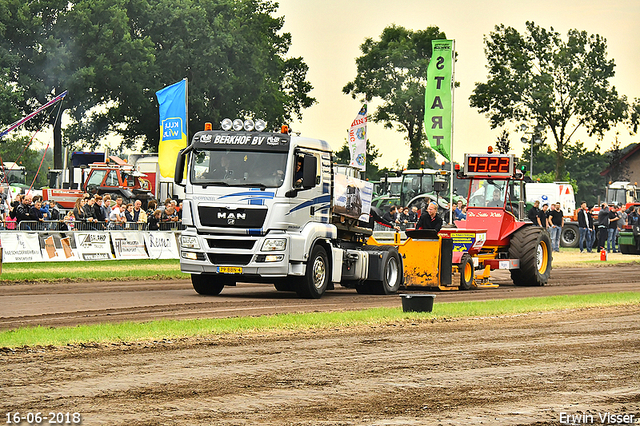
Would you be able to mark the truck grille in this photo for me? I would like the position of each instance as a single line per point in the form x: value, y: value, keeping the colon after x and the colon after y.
x: 229, y: 259
x: 227, y: 218
x: 231, y: 244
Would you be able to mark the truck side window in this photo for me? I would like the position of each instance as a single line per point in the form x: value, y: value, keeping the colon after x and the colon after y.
x: 297, y: 178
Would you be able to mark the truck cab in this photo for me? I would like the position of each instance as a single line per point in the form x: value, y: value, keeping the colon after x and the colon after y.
x: 272, y: 208
x: 254, y: 205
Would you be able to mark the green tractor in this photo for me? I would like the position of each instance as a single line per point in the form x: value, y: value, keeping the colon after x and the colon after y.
x: 629, y: 239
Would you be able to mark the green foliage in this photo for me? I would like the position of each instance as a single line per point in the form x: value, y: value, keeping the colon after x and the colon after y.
x: 372, y: 172
x: 539, y: 78
x: 634, y: 116
x: 394, y: 70
x: 113, y: 55
x: 503, y: 145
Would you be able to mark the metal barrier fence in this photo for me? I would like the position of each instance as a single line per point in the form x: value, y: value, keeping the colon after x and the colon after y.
x: 65, y: 226
x: 403, y: 226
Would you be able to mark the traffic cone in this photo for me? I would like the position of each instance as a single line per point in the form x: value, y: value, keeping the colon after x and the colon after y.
x: 603, y: 254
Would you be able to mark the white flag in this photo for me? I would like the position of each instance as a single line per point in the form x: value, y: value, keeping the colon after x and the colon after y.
x: 358, y: 140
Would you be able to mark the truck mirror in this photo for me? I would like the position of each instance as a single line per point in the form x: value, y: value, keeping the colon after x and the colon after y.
x: 309, y: 171
x: 179, y: 172
x: 440, y: 185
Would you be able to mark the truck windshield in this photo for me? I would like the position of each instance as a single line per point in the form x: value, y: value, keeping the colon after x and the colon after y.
x: 487, y: 193
x: 238, y: 168
x: 414, y: 185
x: 616, y: 196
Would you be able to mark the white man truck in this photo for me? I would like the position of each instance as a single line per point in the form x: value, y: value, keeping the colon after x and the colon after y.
x: 252, y: 214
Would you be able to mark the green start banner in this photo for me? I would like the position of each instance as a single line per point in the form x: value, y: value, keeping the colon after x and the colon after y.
x: 438, y: 97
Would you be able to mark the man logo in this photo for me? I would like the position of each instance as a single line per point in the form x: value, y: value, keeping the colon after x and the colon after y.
x: 231, y: 221
x: 232, y: 216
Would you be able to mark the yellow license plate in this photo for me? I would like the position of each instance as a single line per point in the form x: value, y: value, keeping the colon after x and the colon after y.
x: 229, y: 270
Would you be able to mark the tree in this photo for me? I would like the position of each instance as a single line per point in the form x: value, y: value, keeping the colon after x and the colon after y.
x: 503, y: 145
x: 372, y: 172
x: 113, y: 55
x: 539, y: 78
x: 394, y: 69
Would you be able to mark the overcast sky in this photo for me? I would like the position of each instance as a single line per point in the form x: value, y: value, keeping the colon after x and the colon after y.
x: 328, y: 34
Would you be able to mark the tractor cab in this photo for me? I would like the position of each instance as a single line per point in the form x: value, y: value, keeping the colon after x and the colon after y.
x: 496, y: 203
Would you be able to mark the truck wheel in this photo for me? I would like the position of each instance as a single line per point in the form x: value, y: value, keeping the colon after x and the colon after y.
x: 569, y: 236
x: 392, y: 274
x: 466, y: 270
x: 316, y: 279
x: 285, y: 285
x: 532, y: 246
x: 207, y: 285
x: 363, y: 288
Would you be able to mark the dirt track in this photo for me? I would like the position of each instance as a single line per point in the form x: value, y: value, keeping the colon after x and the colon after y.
x: 525, y: 369
x: 61, y: 304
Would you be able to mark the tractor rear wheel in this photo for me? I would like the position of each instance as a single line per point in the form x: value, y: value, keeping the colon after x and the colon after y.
x: 532, y: 246
x: 466, y: 270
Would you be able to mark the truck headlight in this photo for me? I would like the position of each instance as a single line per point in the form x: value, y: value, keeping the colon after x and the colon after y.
x: 189, y: 242
x: 187, y: 219
x: 273, y: 244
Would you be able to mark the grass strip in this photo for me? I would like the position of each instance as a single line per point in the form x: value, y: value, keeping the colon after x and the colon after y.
x: 172, y: 329
x: 91, y: 271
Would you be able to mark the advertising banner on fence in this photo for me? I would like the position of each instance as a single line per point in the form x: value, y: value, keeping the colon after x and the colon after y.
x: 20, y: 247
x: 57, y: 247
x: 128, y: 245
x: 94, y: 245
x: 161, y: 245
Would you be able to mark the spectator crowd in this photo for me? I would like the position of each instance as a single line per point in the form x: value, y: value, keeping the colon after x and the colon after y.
x: 97, y: 212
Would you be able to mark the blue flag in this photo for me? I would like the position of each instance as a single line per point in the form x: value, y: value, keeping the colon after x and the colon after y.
x: 173, y: 125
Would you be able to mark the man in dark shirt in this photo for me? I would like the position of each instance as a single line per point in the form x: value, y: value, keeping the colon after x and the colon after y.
x: 543, y: 216
x: 431, y: 220
x: 555, y: 225
x: 534, y: 212
x: 390, y: 216
x: 584, y: 227
x: 23, y: 211
x: 603, y: 225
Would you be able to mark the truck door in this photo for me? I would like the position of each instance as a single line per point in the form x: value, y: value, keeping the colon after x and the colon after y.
x: 311, y: 199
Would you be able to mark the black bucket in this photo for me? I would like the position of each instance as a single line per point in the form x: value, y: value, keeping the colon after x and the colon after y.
x: 417, y: 302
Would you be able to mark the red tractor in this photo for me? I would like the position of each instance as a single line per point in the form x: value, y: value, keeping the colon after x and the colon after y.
x: 115, y: 177
x: 496, y: 203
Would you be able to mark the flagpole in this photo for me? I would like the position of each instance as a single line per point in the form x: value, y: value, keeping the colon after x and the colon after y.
x: 186, y: 102
x: 453, y: 85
